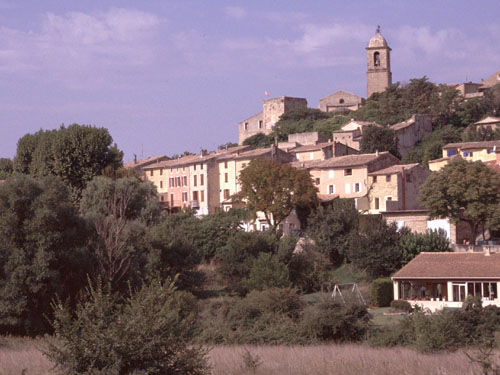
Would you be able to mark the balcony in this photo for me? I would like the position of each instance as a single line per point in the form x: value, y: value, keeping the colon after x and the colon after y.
x: 194, y: 204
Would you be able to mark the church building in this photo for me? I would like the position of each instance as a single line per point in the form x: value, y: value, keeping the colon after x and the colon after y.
x: 378, y: 54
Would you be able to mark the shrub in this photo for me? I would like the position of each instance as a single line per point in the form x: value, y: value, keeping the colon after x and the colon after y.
x: 400, y: 305
x: 147, y: 333
x: 329, y: 320
x: 382, y: 292
x: 267, y: 272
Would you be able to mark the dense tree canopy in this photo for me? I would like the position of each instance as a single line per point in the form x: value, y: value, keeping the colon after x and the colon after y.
x: 6, y: 168
x: 41, y: 251
x: 379, y: 139
x: 462, y: 191
x: 76, y: 154
x: 275, y: 189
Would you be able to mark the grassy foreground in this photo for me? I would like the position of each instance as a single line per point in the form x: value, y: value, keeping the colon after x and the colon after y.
x: 18, y: 355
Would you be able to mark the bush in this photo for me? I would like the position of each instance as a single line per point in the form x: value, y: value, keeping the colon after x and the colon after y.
x: 329, y: 320
x: 382, y: 292
x: 268, y: 272
x: 267, y: 317
x: 400, y: 305
x: 148, y: 333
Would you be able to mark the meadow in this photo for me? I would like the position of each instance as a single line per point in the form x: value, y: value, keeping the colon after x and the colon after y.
x: 22, y: 356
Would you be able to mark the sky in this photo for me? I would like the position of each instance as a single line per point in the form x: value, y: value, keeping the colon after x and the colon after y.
x: 168, y: 76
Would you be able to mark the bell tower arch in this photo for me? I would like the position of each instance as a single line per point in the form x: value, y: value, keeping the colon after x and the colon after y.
x: 378, y: 54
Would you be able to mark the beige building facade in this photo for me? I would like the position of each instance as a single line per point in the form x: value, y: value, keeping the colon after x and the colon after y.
x: 411, y: 131
x: 263, y: 122
x: 340, y: 102
x: 471, y: 151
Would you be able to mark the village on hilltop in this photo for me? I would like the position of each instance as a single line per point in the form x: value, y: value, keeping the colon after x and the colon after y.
x: 378, y: 182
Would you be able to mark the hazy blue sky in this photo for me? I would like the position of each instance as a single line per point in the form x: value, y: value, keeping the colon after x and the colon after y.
x: 167, y: 76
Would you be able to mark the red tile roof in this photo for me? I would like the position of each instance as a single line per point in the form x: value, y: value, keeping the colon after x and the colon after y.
x: 473, y: 145
x: 451, y: 266
x: 393, y: 169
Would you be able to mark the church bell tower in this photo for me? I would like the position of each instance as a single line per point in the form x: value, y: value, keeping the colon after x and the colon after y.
x: 378, y: 75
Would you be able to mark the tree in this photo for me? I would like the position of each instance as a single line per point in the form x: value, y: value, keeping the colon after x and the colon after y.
x: 119, y: 212
x: 149, y: 332
x: 332, y: 228
x: 76, y: 154
x: 41, y: 251
x: 376, y: 248
x: 462, y: 191
x: 275, y: 189
x: 267, y: 272
x: 379, y: 139
x: 6, y: 168
x: 413, y: 244
x: 259, y: 140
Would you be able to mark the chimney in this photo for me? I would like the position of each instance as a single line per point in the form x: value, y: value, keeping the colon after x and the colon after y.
x: 376, y: 153
x: 135, y: 159
x: 487, y: 251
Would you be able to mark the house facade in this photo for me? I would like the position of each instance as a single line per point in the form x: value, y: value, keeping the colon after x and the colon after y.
x: 138, y: 165
x: 340, y: 102
x: 471, y: 151
x: 350, y: 134
x: 411, y: 131
x: 444, y: 280
x: 395, y: 188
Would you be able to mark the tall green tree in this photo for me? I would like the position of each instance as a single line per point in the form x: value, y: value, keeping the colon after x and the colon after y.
x: 332, y: 227
x: 118, y: 211
x: 76, y: 154
x: 379, y: 139
x: 42, y: 251
x: 275, y: 189
x: 462, y: 191
x: 6, y: 168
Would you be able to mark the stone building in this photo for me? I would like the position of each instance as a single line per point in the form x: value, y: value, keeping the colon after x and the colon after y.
x: 411, y: 131
x: 263, y: 122
x: 378, y: 75
x: 489, y: 82
x: 350, y: 134
x: 394, y: 188
x: 340, y: 102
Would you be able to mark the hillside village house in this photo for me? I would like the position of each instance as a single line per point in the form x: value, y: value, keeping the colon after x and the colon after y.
x: 346, y: 176
x: 490, y: 123
x: 411, y: 131
x: 350, y: 134
x: 442, y: 280
x: 394, y: 188
x: 139, y: 165
x: 321, y: 151
x: 263, y: 122
x: 471, y: 151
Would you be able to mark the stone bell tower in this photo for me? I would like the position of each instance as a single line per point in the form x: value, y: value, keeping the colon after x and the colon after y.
x: 378, y: 75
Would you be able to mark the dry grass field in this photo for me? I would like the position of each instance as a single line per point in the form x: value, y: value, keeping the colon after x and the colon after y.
x: 23, y: 356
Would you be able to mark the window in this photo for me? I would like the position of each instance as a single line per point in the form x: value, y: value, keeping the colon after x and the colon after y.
x: 194, y: 167
x: 226, y: 193
x: 357, y: 187
x: 162, y: 198
x: 388, y: 178
x: 348, y: 188
x: 161, y: 184
x: 225, y: 164
x: 226, y: 177
x: 184, y: 181
x: 194, y: 180
x: 201, y: 166
x: 161, y: 171
x: 348, y: 172
x: 246, y: 125
x: 377, y: 204
x: 201, y: 179
x: 341, y: 101
x: 376, y: 59
x: 451, y: 152
x: 177, y: 181
x: 202, y: 196
x: 151, y: 173
x: 195, y: 195
x: 331, y: 189
x: 317, y: 181
x: 184, y: 196
x: 330, y: 173
x: 260, y: 124
x: 470, y: 153
x: 374, y: 179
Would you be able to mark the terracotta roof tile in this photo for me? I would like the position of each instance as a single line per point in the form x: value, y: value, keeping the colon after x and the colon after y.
x: 316, y: 147
x: 353, y: 160
x: 451, y: 266
x: 138, y: 163
x: 473, y: 145
x: 393, y: 169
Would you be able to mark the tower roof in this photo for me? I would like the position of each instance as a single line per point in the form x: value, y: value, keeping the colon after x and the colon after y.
x: 377, y: 40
